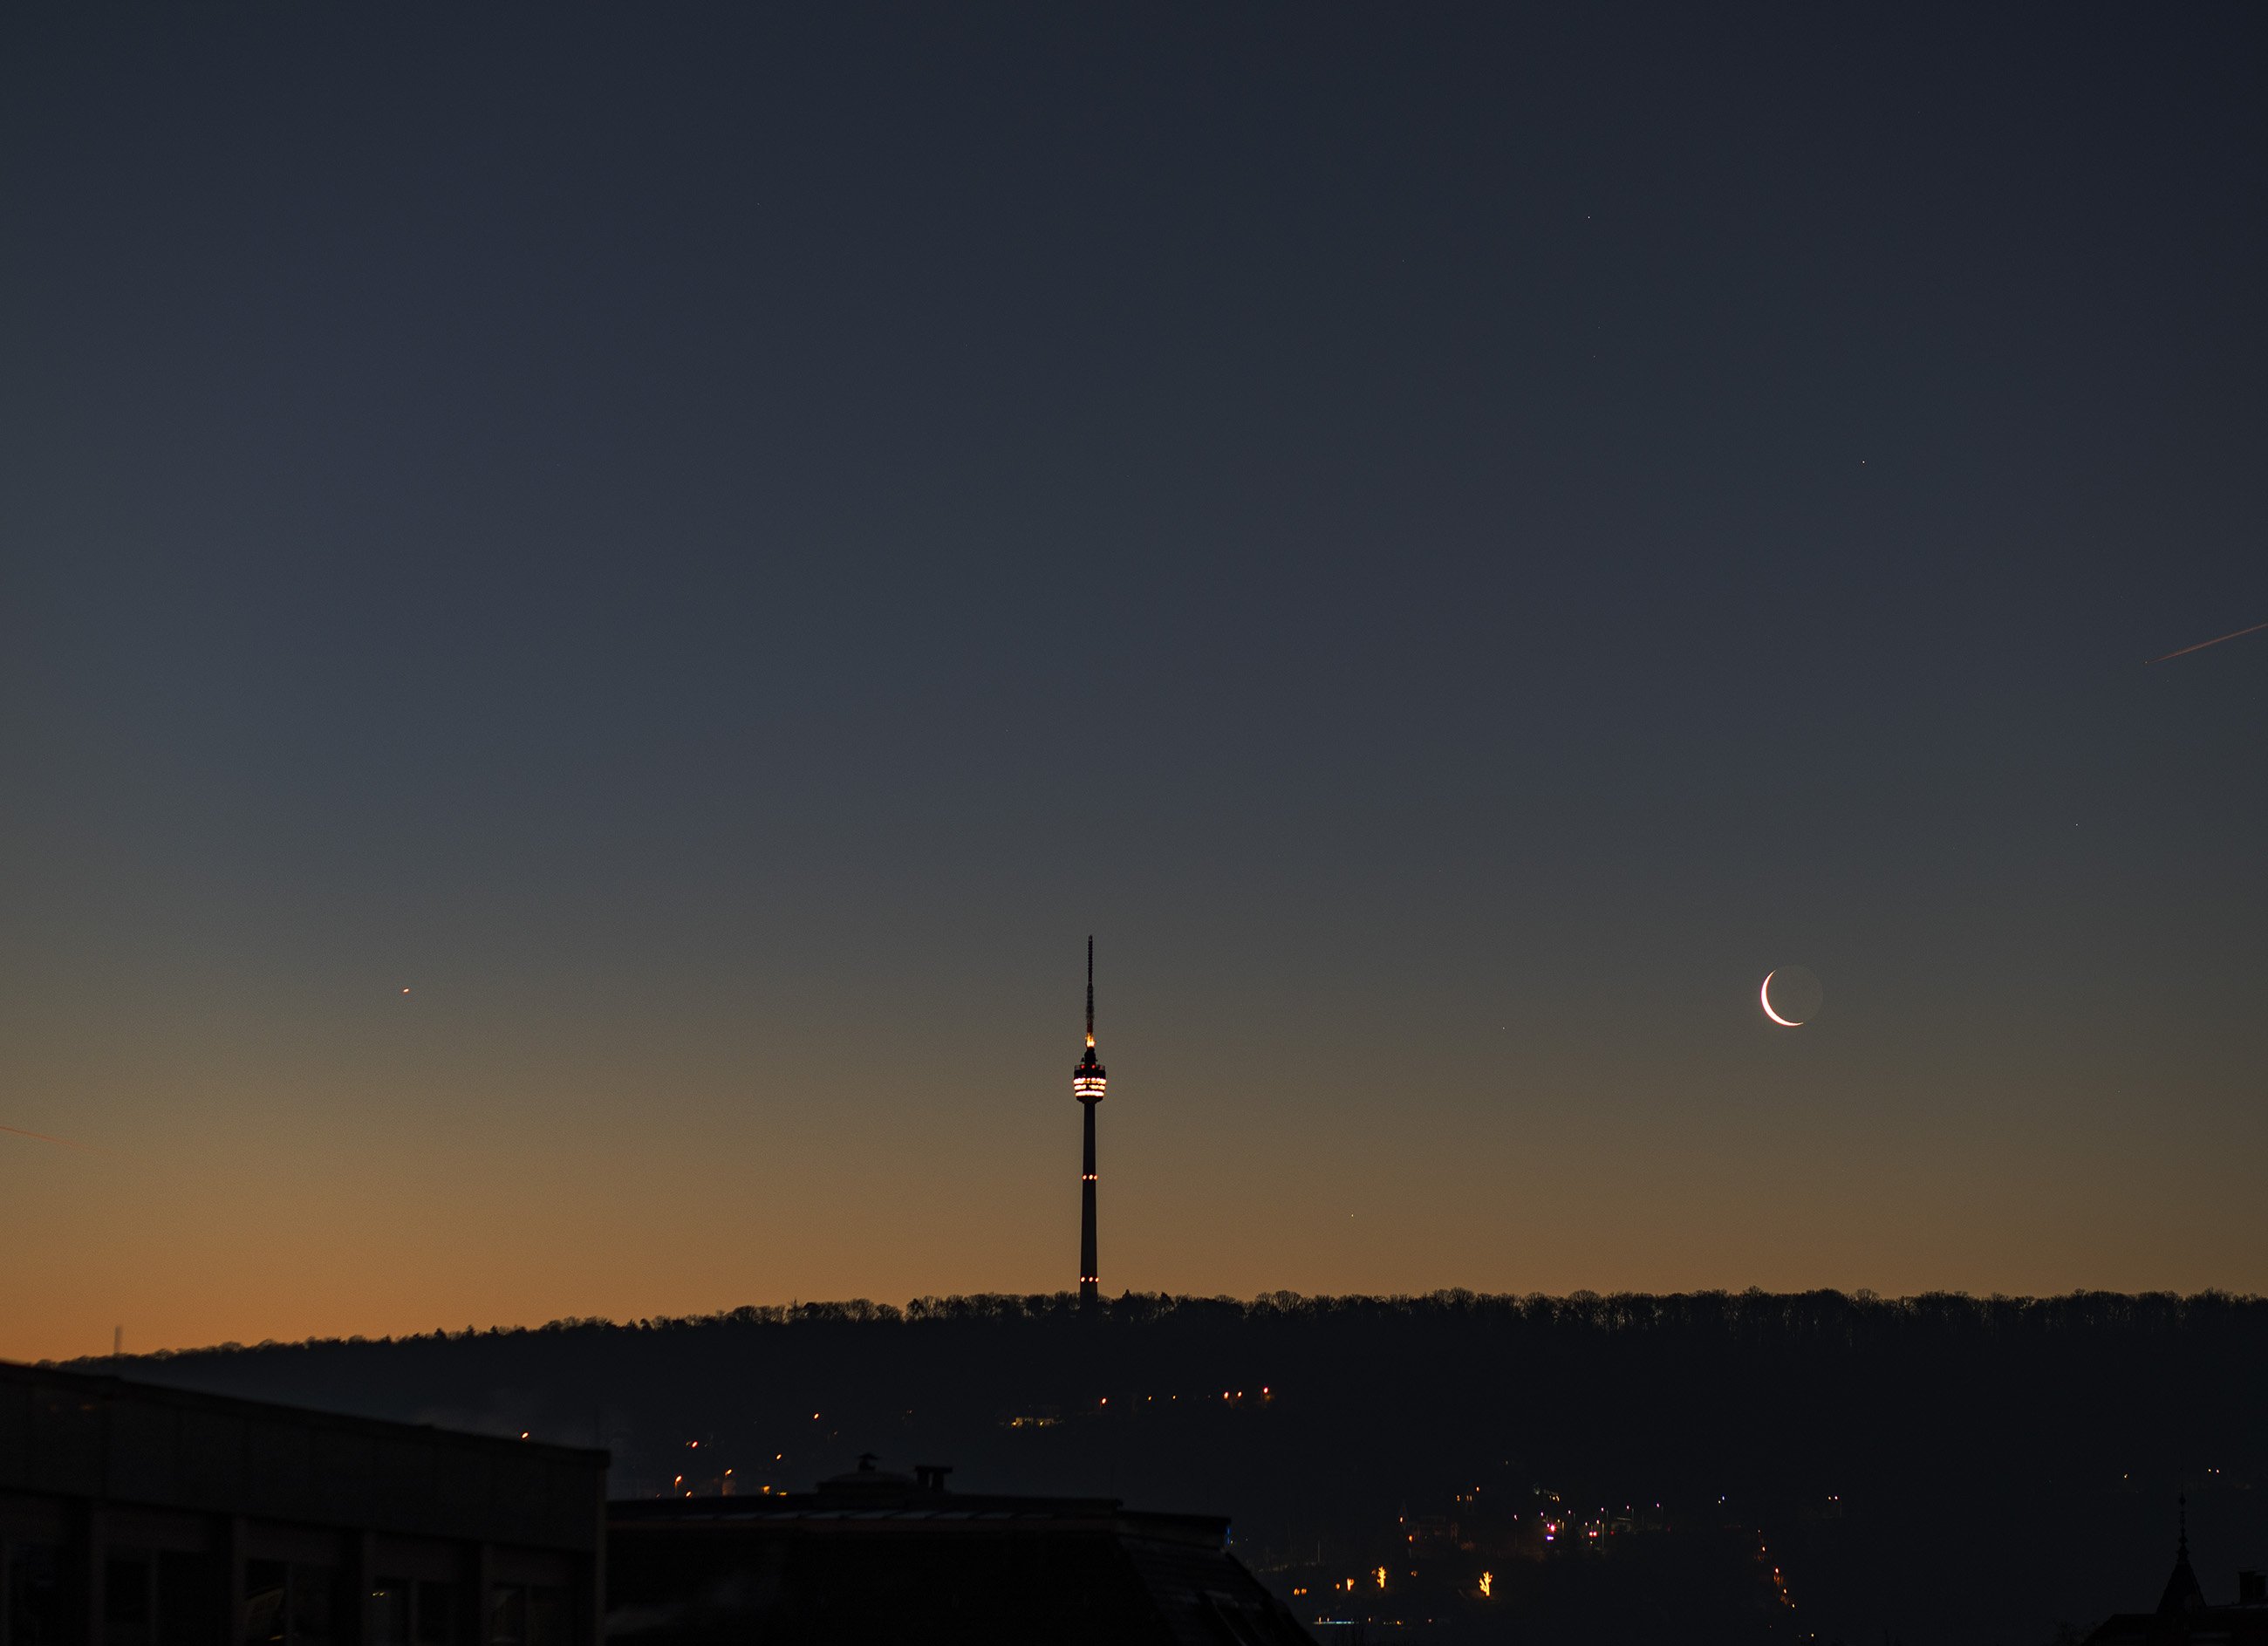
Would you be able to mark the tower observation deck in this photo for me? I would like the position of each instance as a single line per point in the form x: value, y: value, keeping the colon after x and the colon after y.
x: 1087, y: 1083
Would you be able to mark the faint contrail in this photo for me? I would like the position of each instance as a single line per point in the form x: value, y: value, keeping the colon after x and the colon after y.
x: 2202, y: 645
x: 18, y: 1131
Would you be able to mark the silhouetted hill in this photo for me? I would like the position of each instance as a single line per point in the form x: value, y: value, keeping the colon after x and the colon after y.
x: 1943, y: 1468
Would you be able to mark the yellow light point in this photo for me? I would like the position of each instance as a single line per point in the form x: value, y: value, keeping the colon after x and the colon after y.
x: 1090, y: 1039
x: 1380, y: 1576
x: 1488, y: 1584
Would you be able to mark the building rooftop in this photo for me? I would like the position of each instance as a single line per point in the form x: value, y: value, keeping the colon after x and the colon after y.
x: 2185, y: 1617
x: 96, y: 1436
x: 877, y: 1555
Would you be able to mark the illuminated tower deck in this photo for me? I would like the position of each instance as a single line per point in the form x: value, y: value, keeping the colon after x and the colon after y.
x: 1086, y: 1085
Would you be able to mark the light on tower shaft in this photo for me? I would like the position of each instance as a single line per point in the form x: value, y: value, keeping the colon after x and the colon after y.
x: 1087, y: 1084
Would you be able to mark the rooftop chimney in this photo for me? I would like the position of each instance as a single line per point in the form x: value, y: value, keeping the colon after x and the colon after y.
x: 931, y: 1476
x: 2252, y: 1589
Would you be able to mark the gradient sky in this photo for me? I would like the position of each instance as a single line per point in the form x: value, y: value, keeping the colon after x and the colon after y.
x: 715, y: 545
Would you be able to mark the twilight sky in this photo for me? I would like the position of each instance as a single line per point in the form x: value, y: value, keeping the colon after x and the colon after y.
x: 714, y: 546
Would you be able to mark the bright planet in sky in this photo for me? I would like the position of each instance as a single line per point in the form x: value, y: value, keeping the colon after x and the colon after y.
x: 1790, y: 995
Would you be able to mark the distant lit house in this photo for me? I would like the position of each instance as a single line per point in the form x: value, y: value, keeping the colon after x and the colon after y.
x: 2185, y: 1617
x: 137, y: 1515
x: 1432, y: 1531
x: 879, y: 1556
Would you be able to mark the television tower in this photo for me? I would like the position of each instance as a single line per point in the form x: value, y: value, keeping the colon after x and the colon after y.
x: 1086, y: 1085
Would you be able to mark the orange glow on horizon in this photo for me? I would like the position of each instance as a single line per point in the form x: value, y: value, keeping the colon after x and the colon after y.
x: 470, y: 1173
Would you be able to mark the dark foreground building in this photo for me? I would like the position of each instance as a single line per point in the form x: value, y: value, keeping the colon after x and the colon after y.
x: 136, y: 1515
x: 876, y: 1556
x: 2183, y: 1618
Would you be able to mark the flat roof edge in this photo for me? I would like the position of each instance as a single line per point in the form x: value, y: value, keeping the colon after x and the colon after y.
x: 109, y: 1385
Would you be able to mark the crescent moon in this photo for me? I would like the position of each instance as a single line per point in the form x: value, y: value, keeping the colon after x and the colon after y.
x: 1763, y: 999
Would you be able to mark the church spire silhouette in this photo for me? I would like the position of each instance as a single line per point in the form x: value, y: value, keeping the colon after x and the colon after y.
x: 1087, y: 1084
x: 2184, y: 1592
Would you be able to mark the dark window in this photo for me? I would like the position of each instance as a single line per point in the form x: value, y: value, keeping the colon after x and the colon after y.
x: 126, y: 1598
x: 547, y: 1615
x: 192, y: 1599
x: 263, y: 1602
x: 410, y: 1612
x: 386, y: 1613
x: 39, y: 1602
x: 507, y: 1615
x: 436, y: 1614
x: 315, y: 1604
